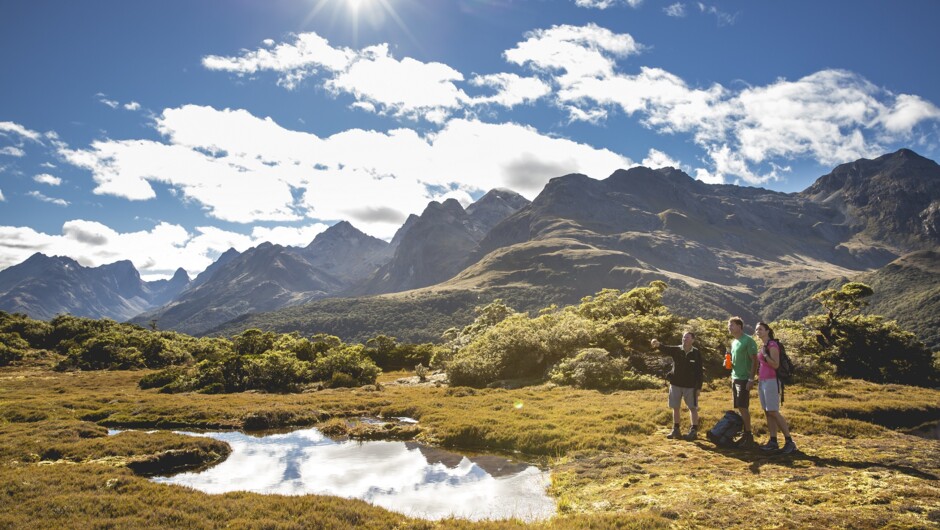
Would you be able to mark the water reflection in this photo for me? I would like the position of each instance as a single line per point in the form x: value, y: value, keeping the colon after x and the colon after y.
x: 405, y: 477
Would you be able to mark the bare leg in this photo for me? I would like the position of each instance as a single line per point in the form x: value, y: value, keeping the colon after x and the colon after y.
x: 771, y: 424
x: 779, y: 421
x: 693, y: 414
x: 746, y: 416
x: 676, y: 415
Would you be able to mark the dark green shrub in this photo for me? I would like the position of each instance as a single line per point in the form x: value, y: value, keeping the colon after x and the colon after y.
x: 591, y: 368
x: 212, y: 348
x: 106, y: 351
x: 276, y: 371
x: 34, y: 332
x: 342, y: 380
x: 348, y: 359
x: 159, y: 352
x: 865, y: 346
x: 253, y: 341
x: 390, y: 355
x: 162, y: 378
x: 12, y: 348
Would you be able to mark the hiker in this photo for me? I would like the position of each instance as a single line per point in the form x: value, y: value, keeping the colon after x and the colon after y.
x: 768, y: 389
x: 743, y: 375
x: 685, y: 382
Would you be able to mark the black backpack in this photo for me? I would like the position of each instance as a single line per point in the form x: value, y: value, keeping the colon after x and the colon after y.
x: 722, y: 434
x: 785, y: 368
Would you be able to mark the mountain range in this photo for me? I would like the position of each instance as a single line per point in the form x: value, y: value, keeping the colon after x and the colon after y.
x: 44, y: 286
x: 723, y: 249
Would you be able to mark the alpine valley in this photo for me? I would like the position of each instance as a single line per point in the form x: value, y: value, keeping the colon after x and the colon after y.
x: 722, y: 249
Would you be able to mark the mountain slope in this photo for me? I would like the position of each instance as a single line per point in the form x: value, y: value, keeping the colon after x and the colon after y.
x: 894, y: 198
x: 44, y: 286
x: 269, y: 277
x: 346, y: 253
x: 906, y: 290
x: 437, y: 244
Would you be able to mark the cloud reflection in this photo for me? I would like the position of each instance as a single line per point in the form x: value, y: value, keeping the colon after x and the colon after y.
x: 404, y: 477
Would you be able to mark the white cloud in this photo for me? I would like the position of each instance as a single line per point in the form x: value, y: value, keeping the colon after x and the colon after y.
x: 45, y: 178
x: 305, y: 56
x: 656, y: 159
x: 287, y: 235
x: 906, y: 112
x: 103, y: 98
x: 12, y: 151
x: 831, y: 116
x: 595, y: 115
x: 511, y: 89
x: 7, y: 127
x: 133, y: 105
x: 156, y: 253
x: 723, y: 18
x: 604, y: 4
x: 43, y: 198
x: 406, y: 88
x: 245, y: 169
x: 378, y: 82
x: 2, y: 198
x: 675, y: 10
x: 582, y: 51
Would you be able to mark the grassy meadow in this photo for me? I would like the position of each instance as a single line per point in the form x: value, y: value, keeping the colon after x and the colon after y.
x: 611, y: 464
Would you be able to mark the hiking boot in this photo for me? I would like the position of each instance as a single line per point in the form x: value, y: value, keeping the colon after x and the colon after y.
x: 693, y: 434
x: 789, y: 447
x: 746, y: 441
x: 675, y: 434
x: 771, y: 445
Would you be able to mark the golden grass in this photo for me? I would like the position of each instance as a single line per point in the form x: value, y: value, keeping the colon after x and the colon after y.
x: 612, y: 466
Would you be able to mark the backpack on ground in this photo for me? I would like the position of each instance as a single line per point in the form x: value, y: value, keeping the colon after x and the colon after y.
x: 722, y: 434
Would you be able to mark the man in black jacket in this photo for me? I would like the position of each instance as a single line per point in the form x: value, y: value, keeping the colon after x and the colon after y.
x: 685, y: 381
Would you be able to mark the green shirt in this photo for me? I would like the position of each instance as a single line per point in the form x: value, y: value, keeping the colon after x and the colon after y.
x: 743, y: 357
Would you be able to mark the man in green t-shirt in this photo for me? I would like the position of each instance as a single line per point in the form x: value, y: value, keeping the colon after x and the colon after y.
x: 743, y: 374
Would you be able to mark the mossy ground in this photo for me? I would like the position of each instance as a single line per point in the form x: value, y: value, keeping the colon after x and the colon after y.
x: 612, y: 466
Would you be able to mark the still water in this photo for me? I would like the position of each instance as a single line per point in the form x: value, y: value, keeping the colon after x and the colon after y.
x: 405, y: 477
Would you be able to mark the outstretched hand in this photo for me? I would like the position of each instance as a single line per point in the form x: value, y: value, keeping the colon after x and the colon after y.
x: 654, y: 343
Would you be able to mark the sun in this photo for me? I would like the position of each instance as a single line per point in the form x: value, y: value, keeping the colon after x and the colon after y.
x: 356, y: 5
x: 369, y: 13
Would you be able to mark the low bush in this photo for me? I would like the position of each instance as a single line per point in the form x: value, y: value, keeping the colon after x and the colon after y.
x: 595, y: 368
x: 591, y: 368
x: 162, y: 378
x: 12, y: 348
x: 277, y: 371
x: 350, y: 360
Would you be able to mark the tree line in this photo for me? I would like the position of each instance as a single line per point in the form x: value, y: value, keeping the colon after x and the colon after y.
x: 601, y: 343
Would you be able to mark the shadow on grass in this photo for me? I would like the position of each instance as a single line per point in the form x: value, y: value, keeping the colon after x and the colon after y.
x: 758, y: 459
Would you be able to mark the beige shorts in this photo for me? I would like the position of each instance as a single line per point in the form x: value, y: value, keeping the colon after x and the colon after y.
x: 769, y: 393
x: 677, y: 394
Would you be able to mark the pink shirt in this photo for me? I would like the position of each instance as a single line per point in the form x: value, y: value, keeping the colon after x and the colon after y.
x: 765, y: 371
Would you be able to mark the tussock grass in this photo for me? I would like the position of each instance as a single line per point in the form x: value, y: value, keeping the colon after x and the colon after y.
x: 612, y: 466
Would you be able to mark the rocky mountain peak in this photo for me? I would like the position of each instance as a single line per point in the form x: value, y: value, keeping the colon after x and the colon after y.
x: 893, y: 197
x: 341, y: 231
x: 180, y: 276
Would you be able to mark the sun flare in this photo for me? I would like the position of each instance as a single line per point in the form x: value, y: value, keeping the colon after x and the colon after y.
x: 355, y: 5
x: 367, y: 13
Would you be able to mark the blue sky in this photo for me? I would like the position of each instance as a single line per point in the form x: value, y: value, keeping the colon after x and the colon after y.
x: 166, y: 132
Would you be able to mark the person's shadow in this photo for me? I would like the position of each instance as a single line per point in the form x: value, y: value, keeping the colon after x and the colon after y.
x: 758, y: 459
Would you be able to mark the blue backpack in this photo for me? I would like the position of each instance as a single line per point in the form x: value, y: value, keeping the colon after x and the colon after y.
x: 722, y: 434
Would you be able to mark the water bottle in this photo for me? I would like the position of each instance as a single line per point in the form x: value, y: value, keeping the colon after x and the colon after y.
x: 727, y: 360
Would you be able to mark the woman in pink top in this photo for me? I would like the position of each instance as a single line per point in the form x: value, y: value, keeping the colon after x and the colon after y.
x: 769, y: 389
